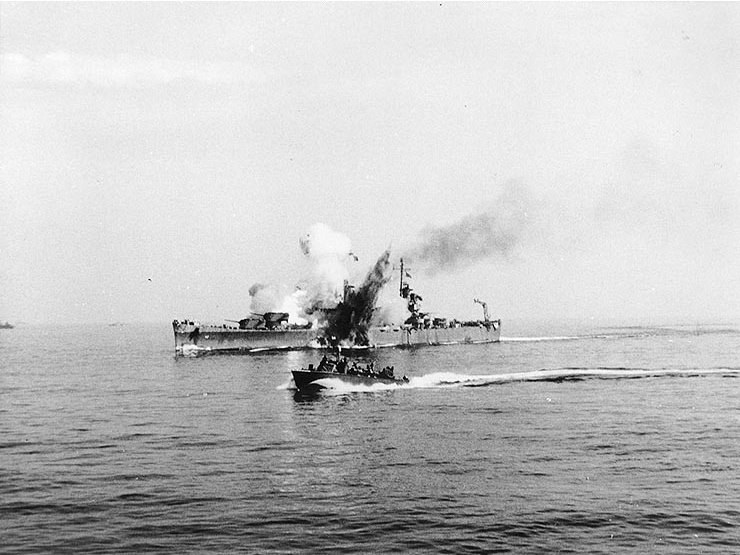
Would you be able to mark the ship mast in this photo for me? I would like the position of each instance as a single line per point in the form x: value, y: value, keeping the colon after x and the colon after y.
x: 400, y: 287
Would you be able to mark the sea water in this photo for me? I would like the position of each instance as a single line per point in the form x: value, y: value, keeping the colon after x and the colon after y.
x: 580, y: 438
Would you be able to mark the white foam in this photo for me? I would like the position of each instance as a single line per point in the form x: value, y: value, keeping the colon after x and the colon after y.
x: 531, y: 339
x: 336, y: 386
x: 192, y: 350
x: 287, y: 385
x: 450, y: 379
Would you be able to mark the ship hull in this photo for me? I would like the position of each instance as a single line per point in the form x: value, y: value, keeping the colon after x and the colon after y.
x: 389, y: 337
x: 193, y: 339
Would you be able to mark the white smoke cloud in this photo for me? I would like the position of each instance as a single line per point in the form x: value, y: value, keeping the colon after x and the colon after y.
x: 328, y: 253
x: 294, y: 304
x: 391, y: 308
x: 265, y: 298
x: 65, y: 68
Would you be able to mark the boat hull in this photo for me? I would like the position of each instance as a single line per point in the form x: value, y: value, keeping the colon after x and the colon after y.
x: 306, y: 380
x: 194, y: 339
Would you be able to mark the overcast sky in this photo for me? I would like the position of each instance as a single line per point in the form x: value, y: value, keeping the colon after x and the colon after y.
x: 158, y: 159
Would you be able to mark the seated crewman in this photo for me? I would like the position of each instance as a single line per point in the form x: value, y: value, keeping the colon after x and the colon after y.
x: 322, y: 363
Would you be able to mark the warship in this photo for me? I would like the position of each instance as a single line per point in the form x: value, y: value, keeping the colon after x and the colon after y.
x: 346, y: 325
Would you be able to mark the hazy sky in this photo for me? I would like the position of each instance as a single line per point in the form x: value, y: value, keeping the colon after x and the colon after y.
x: 158, y: 159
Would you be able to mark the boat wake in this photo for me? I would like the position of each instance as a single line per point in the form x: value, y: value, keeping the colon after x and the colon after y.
x: 336, y: 386
x: 538, y: 339
x: 436, y: 380
x: 447, y: 379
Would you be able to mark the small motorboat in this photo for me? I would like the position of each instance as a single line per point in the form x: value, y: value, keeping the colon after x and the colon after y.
x: 309, y: 379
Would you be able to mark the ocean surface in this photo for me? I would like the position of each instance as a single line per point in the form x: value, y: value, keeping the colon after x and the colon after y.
x: 560, y: 439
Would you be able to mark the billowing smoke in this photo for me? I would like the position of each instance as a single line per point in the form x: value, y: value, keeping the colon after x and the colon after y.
x: 264, y: 298
x: 346, y: 314
x: 494, y: 231
x: 270, y: 298
x: 352, y: 320
x: 328, y: 253
x: 390, y: 308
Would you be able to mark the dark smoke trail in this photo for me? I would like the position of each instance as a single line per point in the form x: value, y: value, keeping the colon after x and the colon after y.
x: 351, y: 320
x: 497, y: 230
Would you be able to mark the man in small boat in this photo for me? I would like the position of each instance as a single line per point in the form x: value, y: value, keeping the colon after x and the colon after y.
x: 342, y: 366
x: 355, y: 369
x: 322, y: 364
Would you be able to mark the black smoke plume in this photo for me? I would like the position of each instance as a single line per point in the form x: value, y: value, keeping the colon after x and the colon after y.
x: 494, y: 231
x: 351, y: 321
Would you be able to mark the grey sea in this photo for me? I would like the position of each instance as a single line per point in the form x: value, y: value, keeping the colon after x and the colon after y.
x: 592, y: 439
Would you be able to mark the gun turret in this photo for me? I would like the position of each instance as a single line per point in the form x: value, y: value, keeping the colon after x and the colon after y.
x: 275, y: 320
x: 249, y: 323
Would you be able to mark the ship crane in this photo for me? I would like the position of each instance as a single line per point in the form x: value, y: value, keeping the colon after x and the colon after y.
x: 486, y: 316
